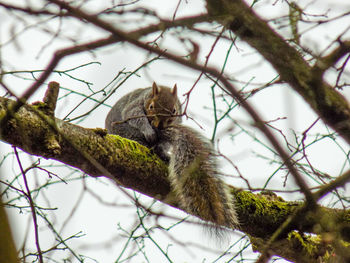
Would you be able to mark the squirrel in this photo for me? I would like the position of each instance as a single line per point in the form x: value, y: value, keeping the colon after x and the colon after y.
x: 139, y: 114
x: 194, y: 178
x: 151, y: 116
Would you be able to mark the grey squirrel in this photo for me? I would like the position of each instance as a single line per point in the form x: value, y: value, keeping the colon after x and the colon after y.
x: 151, y: 117
x: 139, y: 114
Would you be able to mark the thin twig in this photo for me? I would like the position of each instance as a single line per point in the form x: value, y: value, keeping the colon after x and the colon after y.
x: 32, y: 206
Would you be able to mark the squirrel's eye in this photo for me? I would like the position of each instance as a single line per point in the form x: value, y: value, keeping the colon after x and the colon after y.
x: 174, y: 111
x: 151, y: 106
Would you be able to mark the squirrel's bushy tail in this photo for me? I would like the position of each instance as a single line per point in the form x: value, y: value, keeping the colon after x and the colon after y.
x: 194, y: 178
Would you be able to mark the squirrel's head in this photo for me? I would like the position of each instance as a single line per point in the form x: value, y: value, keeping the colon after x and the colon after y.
x: 163, y: 108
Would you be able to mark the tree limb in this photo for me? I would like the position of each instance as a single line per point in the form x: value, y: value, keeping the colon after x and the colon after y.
x: 330, y: 105
x: 134, y: 166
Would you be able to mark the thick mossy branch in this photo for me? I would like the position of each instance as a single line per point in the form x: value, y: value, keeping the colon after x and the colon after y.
x: 269, y: 214
x: 131, y: 164
x: 330, y: 105
x: 303, y: 248
x: 254, y: 208
x: 134, y: 166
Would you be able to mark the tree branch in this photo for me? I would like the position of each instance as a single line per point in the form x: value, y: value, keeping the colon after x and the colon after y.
x: 331, y: 59
x: 330, y: 105
x: 134, y: 166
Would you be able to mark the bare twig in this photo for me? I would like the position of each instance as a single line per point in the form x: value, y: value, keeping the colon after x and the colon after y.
x: 32, y: 207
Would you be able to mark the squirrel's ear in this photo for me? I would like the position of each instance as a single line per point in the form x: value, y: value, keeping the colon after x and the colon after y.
x: 155, y: 89
x: 174, y: 91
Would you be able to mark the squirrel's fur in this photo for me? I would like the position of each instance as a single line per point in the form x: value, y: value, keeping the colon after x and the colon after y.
x: 151, y: 117
x: 194, y: 177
